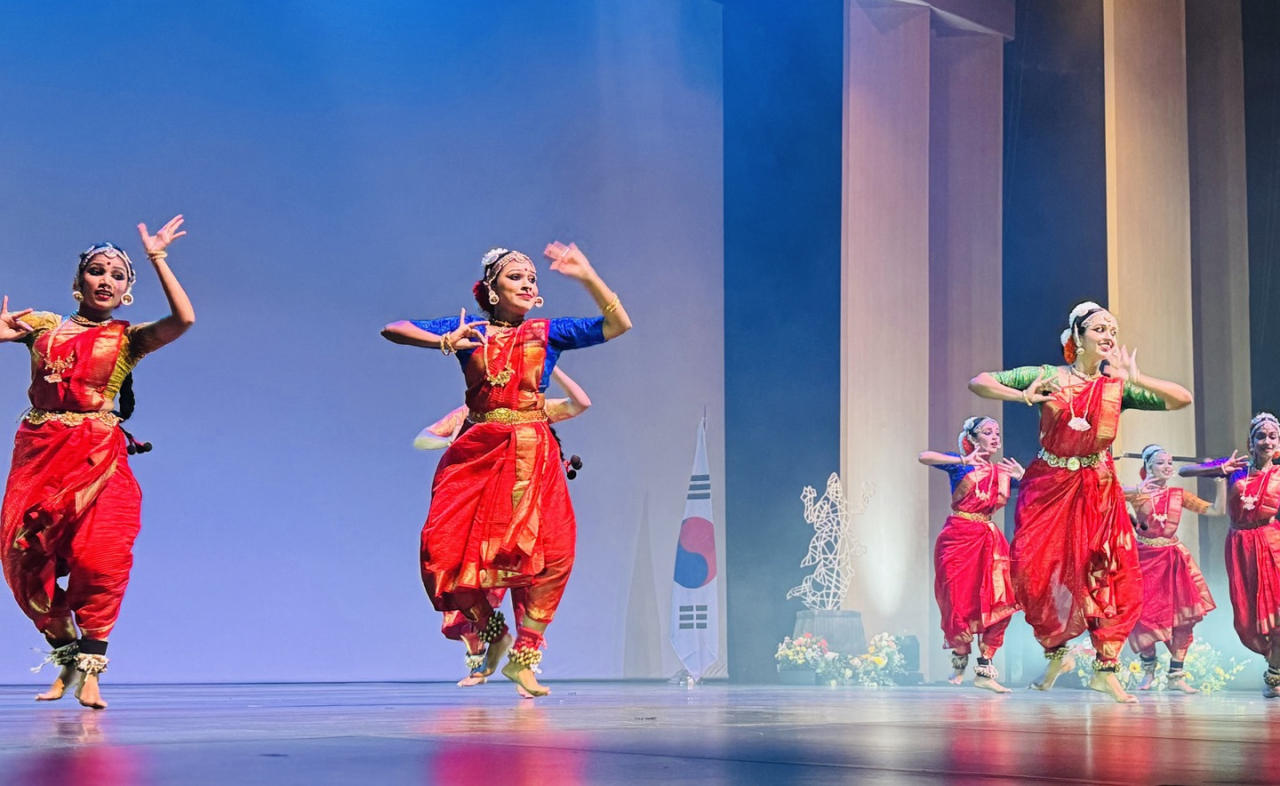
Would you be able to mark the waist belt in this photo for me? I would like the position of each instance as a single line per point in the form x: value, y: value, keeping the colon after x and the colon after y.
x: 1157, y: 542
x: 508, y: 416
x: 1252, y: 524
x: 1071, y: 463
x: 983, y: 517
x: 37, y: 416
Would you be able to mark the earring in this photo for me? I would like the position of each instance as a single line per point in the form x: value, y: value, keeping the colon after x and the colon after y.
x: 538, y: 302
x: 127, y: 300
x: 493, y: 298
x: 76, y: 296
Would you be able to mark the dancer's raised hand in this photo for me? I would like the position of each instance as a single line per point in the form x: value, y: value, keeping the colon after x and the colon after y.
x: 154, y: 244
x: 976, y: 456
x: 12, y: 328
x: 568, y: 260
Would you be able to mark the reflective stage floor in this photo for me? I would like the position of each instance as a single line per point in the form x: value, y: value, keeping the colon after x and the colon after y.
x: 631, y: 732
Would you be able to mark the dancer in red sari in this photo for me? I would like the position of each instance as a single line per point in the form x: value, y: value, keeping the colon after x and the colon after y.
x: 972, y: 581
x: 72, y: 507
x: 1174, y: 593
x: 1253, y: 545
x: 1075, y: 565
x: 500, y: 512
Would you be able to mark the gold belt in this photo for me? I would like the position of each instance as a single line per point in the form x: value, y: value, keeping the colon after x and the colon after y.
x: 508, y: 416
x: 983, y: 517
x: 1157, y: 542
x: 1072, y: 463
x: 37, y: 416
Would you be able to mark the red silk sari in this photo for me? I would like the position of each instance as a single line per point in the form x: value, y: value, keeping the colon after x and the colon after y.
x: 500, y: 512
x: 972, y: 579
x: 1174, y: 592
x: 1253, y: 556
x: 1075, y: 567
x: 71, y: 506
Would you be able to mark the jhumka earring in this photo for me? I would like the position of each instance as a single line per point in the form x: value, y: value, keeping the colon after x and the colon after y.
x: 127, y: 300
x: 493, y: 298
x: 76, y: 296
x: 538, y: 302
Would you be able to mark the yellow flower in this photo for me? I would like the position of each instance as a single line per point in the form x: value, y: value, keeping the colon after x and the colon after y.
x: 879, y: 661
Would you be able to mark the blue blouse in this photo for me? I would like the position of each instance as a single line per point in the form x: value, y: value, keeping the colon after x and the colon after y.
x: 956, y: 472
x: 563, y: 333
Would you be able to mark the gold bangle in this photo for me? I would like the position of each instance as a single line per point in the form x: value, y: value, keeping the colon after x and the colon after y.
x: 1026, y: 398
x: 446, y: 346
x: 156, y: 256
x: 613, y: 305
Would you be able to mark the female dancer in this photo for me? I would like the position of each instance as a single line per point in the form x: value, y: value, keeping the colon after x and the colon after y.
x: 500, y: 514
x: 1174, y: 593
x: 971, y: 558
x: 1253, y: 545
x: 72, y: 507
x: 441, y: 434
x: 1075, y: 567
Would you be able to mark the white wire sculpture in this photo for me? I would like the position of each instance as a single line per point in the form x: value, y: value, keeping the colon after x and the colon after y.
x: 833, y: 547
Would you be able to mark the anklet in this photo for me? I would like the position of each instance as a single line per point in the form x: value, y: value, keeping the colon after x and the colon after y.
x: 493, y: 629
x: 527, y: 657
x: 1057, y: 653
x: 475, y: 662
x: 987, y: 670
x: 91, y: 664
x: 1106, y: 667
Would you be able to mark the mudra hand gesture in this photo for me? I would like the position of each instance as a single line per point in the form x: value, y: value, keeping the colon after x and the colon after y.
x: 976, y: 456
x: 1011, y: 466
x: 568, y: 260
x: 12, y: 327
x: 1043, y: 388
x: 1123, y: 364
x: 157, y: 243
x: 1234, y: 464
x: 467, y: 335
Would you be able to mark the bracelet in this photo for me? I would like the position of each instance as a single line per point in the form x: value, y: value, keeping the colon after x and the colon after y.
x: 613, y: 305
x: 446, y: 346
x: 156, y: 256
x: 1026, y: 397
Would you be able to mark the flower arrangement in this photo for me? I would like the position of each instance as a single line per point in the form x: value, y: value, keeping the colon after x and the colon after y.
x: 802, y: 652
x: 1204, y: 666
x: 882, y: 661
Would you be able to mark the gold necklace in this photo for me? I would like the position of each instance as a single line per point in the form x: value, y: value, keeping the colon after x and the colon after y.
x: 85, y: 321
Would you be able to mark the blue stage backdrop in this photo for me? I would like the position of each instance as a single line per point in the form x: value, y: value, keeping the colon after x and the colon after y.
x: 342, y: 166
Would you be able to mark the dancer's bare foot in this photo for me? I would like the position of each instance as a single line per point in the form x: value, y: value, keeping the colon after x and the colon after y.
x: 1106, y: 682
x: 66, y: 680
x: 987, y: 683
x: 1181, y: 684
x: 1053, y: 669
x: 526, y: 683
x: 1148, y: 679
x: 474, y: 678
x: 1271, y: 692
x: 494, y: 656
x: 956, y: 678
x: 89, y: 694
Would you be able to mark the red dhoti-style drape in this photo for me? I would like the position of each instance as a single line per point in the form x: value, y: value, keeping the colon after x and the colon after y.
x: 1175, y: 595
x: 1075, y: 566
x: 500, y: 514
x: 972, y: 579
x: 1252, y: 555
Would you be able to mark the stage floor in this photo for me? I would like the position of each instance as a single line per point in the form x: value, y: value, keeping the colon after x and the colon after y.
x: 630, y: 732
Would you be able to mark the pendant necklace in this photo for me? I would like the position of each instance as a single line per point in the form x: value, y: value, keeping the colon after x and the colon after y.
x: 1077, y: 422
x: 1249, y: 501
x: 504, y: 376
x: 1159, y: 517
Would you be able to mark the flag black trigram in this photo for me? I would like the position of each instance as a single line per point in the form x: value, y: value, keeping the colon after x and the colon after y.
x: 693, y: 618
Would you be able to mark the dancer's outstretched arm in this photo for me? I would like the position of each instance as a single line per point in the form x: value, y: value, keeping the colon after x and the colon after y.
x: 1219, y: 468
x: 182, y: 315
x: 561, y: 409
